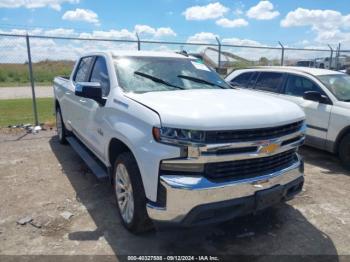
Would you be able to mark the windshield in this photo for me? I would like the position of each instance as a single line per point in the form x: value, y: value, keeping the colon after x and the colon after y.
x: 338, y: 84
x: 146, y: 74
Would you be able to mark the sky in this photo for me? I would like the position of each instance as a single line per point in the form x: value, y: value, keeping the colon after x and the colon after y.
x: 302, y: 23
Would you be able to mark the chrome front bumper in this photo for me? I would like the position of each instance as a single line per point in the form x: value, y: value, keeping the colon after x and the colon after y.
x: 184, y: 193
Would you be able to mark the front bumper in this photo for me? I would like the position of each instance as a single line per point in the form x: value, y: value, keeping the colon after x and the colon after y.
x: 192, y: 200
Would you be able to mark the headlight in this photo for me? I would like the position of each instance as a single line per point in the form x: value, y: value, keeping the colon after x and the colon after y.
x: 303, y: 127
x: 178, y: 136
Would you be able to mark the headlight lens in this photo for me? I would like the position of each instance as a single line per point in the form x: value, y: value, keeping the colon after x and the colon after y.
x: 303, y: 127
x: 178, y: 136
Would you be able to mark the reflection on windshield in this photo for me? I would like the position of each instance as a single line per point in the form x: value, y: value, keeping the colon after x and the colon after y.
x: 338, y: 84
x: 163, y: 74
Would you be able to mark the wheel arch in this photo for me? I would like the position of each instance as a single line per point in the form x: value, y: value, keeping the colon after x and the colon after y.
x: 341, y: 135
x: 115, y: 148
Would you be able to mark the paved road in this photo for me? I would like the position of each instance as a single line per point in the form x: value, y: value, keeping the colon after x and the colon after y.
x: 24, y: 92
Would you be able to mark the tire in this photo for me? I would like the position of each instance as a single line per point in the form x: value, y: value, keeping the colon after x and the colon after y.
x: 130, y: 194
x: 344, y: 151
x: 61, y: 129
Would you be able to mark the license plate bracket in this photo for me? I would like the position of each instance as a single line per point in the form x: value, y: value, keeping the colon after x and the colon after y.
x: 268, y: 197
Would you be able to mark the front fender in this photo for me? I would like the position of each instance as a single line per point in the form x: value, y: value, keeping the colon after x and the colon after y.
x: 133, y: 125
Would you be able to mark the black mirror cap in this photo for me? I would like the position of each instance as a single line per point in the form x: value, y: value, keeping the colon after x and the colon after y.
x: 317, y: 97
x: 312, y: 95
x: 90, y: 90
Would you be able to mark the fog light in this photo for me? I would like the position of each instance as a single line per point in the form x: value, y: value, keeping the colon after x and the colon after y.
x: 193, y: 152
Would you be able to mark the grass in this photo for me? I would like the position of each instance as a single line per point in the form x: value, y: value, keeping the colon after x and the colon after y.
x: 20, y: 111
x: 44, y: 72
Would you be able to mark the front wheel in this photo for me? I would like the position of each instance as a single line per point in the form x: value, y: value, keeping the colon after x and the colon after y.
x: 344, y: 151
x: 130, y: 194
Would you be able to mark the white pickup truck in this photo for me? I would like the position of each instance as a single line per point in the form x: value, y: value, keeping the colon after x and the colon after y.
x: 179, y: 144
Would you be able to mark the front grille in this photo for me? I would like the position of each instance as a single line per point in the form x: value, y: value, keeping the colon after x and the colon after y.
x: 248, y: 168
x: 252, y: 134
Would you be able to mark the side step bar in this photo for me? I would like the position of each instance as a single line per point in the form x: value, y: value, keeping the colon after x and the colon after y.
x: 95, y: 165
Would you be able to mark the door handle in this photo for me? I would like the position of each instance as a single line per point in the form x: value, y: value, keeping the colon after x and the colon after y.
x: 68, y: 93
x: 82, y: 100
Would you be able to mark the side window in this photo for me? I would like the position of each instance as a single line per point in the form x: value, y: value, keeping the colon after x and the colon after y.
x: 242, y: 80
x: 82, y: 72
x: 252, y: 80
x: 298, y: 85
x: 100, y: 74
x: 269, y: 81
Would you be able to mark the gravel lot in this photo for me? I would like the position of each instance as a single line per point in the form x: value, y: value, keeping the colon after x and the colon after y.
x: 41, y: 179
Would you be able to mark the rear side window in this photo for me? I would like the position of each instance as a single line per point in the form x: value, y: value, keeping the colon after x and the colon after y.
x: 242, y: 80
x: 82, y: 73
x: 100, y: 74
x: 269, y: 81
x: 298, y: 85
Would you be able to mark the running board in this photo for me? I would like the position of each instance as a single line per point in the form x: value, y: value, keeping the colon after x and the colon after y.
x: 95, y: 165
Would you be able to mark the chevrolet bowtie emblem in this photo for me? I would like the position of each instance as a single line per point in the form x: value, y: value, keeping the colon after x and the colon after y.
x: 269, y: 148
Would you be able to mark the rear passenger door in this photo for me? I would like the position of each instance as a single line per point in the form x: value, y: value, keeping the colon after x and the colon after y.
x: 317, y: 114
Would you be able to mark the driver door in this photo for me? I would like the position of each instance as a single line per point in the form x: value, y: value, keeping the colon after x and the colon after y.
x: 91, y: 119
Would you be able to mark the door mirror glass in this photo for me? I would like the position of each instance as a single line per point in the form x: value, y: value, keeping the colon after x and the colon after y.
x: 90, y: 90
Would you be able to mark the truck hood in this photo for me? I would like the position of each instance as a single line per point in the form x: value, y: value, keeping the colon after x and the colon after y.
x: 219, y: 109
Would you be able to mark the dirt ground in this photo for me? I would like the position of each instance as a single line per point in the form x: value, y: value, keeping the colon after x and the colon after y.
x: 41, y: 179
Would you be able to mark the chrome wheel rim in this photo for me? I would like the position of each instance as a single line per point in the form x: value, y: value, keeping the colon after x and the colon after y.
x: 124, y: 193
x: 59, y: 124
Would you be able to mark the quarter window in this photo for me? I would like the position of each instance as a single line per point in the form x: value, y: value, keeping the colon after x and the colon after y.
x: 100, y: 74
x: 82, y: 73
x: 297, y: 86
x: 269, y: 81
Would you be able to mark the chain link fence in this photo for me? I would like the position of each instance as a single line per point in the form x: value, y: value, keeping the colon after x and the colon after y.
x: 26, y: 98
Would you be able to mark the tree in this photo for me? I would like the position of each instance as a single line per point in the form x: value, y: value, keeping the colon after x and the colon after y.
x: 263, y: 61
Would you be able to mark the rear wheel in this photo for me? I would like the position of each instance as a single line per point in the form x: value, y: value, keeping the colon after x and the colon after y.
x: 130, y: 194
x: 344, y: 151
x: 61, y: 130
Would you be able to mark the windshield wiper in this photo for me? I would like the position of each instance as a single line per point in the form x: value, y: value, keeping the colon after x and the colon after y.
x: 200, y: 80
x: 157, y: 80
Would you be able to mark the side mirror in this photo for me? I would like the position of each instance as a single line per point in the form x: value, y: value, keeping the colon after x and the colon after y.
x: 90, y: 90
x: 316, y: 96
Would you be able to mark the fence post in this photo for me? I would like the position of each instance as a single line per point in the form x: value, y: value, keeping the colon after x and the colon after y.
x: 282, y: 54
x: 30, y: 67
x: 138, y: 42
x: 337, y: 57
x: 219, y: 55
x: 331, y: 58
